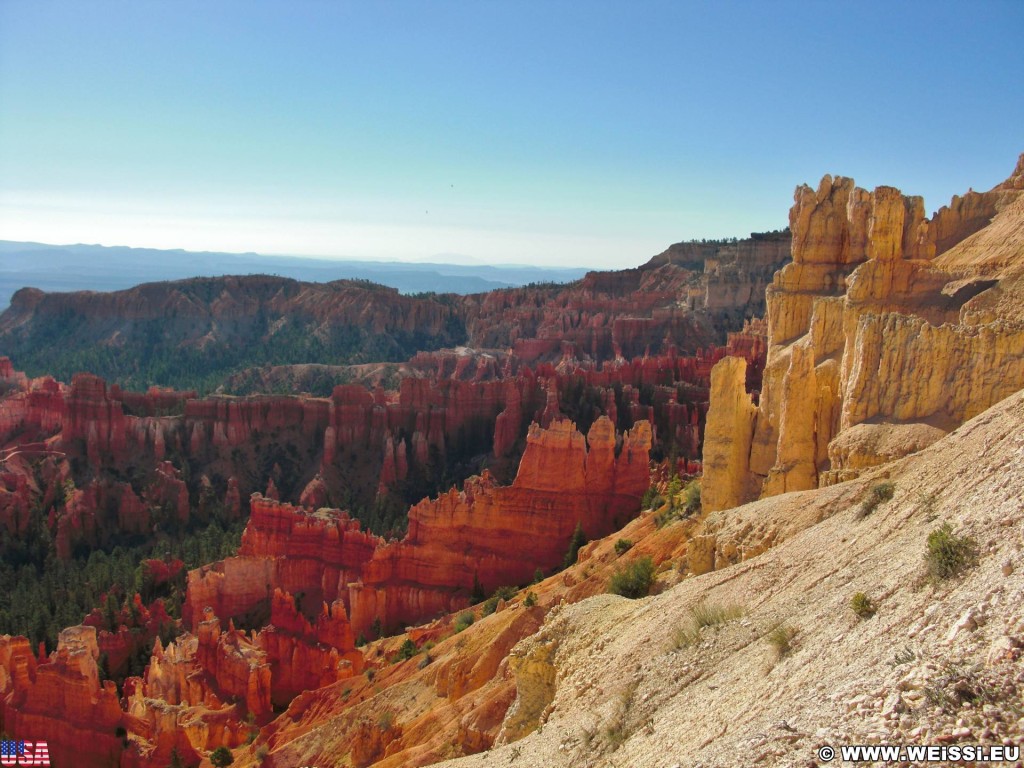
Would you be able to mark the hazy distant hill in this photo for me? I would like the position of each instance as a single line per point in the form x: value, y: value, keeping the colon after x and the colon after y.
x: 192, y: 333
x: 100, y: 268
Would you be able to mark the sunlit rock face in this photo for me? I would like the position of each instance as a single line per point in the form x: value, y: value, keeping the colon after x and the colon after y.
x: 884, y: 318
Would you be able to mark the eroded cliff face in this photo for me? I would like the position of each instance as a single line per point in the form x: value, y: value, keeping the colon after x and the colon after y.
x: 481, y: 537
x: 688, y: 297
x: 307, y: 581
x: 869, y: 331
x: 283, y: 547
x: 61, y: 699
x: 99, y: 461
x: 487, y: 535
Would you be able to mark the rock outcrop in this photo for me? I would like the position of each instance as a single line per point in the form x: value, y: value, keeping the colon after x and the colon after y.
x: 481, y: 537
x: 487, y: 535
x: 730, y: 427
x: 868, y: 329
x: 129, y: 451
x: 61, y: 700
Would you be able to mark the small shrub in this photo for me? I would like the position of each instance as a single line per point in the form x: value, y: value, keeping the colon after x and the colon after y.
x: 675, y: 485
x: 261, y: 753
x: 706, y: 614
x: 221, y: 757
x: 878, y: 495
x: 616, y: 729
x: 862, y: 605
x: 361, y: 640
x: 578, y: 540
x: 781, y: 639
x: 491, y: 603
x: 651, y: 498
x: 622, y: 546
x: 634, y: 580
x: 691, y: 499
x: 407, y: 651
x: 530, y: 601
x: 490, y: 606
x: 425, y: 661
x: 463, y: 620
x: 506, y: 593
x: 902, y: 657
x: 386, y: 720
x: 371, y: 673
x: 957, y: 685
x: 538, y: 576
x: 682, y: 502
x: 928, y: 502
x: 949, y: 555
x: 685, y: 635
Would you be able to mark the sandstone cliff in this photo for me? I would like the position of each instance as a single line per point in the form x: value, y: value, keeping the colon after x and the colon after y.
x: 482, y: 536
x: 489, y: 535
x: 867, y: 329
x: 60, y: 700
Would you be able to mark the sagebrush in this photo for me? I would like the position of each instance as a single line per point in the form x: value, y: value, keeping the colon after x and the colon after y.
x: 634, y: 580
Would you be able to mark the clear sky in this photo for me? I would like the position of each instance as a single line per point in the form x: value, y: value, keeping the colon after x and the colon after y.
x: 570, y: 133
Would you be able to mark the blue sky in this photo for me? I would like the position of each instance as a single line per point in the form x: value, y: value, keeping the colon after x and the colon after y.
x: 565, y: 133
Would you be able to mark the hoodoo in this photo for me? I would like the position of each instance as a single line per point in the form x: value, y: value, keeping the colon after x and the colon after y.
x: 885, y: 332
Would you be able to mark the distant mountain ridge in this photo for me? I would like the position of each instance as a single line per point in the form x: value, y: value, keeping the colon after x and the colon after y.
x: 194, y: 333
x: 82, y: 267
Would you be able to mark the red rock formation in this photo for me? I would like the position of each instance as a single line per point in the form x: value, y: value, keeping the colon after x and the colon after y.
x: 364, y: 433
x: 314, y: 495
x: 508, y: 424
x: 168, y: 491
x: 96, y: 419
x: 62, y: 700
x: 305, y: 656
x: 238, y: 666
x: 483, y: 532
x: 16, y: 494
x: 283, y: 547
x: 197, y: 691
x: 604, y: 316
x: 178, y: 705
x: 136, y: 627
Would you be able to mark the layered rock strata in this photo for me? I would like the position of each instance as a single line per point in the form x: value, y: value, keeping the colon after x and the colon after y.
x: 867, y: 329
x: 61, y: 699
x: 481, y: 537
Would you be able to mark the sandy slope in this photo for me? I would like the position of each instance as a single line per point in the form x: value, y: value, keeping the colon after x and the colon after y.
x: 626, y: 696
